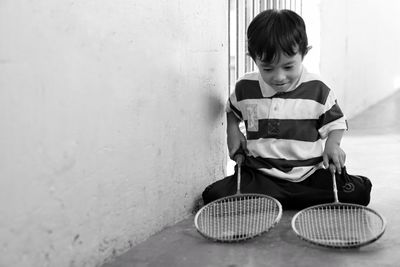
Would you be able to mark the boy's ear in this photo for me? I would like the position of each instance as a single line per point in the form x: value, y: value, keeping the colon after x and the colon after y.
x: 308, y: 49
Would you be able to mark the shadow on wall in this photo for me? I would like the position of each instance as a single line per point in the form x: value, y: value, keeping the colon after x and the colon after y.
x: 215, y: 116
x: 216, y: 107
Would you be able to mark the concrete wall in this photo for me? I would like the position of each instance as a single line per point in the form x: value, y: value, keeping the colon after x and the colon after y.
x: 359, y: 50
x: 111, y: 123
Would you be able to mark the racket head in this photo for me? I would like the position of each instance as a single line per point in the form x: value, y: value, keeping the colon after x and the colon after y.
x: 238, y: 217
x: 339, y: 225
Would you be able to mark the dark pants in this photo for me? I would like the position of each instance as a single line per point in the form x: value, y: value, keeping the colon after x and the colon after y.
x: 316, y: 189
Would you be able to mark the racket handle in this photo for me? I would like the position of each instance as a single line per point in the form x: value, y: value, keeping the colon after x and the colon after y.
x: 239, y: 157
x: 239, y: 160
x: 238, y: 177
x: 335, y: 192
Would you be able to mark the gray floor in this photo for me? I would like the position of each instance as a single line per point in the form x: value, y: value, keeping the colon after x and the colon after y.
x: 373, y: 149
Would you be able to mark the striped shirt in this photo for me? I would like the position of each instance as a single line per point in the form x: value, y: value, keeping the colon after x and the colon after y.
x: 286, y: 132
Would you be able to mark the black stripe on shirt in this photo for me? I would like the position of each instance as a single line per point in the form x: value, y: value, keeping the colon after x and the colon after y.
x: 312, y: 90
x: 248, y: 89
x: 301, y: 130
x: 330, y: 115
x: 235, y: 110
x: 280, y: 164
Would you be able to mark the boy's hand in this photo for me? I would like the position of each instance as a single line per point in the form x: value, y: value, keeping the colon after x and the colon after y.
x: 239, y: 158
x: 334, y: 153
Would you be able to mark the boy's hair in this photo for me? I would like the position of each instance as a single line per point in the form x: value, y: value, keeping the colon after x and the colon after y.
x: 273, y: 32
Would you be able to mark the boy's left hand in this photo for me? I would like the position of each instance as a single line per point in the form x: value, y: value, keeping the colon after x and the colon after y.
x: 334, y: 153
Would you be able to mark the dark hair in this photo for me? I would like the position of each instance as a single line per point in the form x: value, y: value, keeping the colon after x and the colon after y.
x: 273, y: 32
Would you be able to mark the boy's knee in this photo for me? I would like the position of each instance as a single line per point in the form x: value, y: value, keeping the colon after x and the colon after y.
x: 365, y: 194
x: 219, y: 189
x: 208, y: 195
x: 357, y: 191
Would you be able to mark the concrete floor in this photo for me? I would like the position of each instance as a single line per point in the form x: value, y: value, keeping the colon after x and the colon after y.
x: 373, y: 149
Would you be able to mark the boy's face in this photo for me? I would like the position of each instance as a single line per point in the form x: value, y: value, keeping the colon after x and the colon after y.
x: 281, y: 74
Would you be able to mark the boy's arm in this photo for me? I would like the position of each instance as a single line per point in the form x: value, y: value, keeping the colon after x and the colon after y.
x: 235, y: 137
x: 333, y: 152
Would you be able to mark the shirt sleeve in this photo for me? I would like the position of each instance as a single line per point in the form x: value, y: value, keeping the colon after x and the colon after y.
x: 233, y: 106
x: 332, y: 117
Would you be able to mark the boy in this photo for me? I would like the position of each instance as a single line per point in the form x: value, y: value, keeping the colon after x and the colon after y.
x: 294, y: 125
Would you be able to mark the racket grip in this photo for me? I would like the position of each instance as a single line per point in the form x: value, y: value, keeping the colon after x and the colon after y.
x: 239, y: 177
x: 239, y: 156
x: 335, y: 191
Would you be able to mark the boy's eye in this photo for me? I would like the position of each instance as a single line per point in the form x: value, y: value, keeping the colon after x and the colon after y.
x: 267, y: 69
x: 288, y: 67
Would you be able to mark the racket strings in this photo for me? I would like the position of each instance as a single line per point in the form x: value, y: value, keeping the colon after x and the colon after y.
x: 339, y: 225
x: 238, y: 218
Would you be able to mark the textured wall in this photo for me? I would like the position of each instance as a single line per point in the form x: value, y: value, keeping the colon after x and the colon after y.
x: 359, y: 50
x: 111, y: 123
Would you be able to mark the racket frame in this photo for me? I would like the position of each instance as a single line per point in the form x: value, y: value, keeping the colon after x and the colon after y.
x: 338, y: 204
x: 237, y: 197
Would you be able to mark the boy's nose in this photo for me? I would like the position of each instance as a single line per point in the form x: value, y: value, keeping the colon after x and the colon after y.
x: 279, y: 76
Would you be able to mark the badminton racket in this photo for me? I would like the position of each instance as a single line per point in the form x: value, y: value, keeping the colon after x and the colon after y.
x: 338, y: 225
x: 238, y: 217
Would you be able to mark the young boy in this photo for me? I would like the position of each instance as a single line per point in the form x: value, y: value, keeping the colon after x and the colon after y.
x: 293, y: 123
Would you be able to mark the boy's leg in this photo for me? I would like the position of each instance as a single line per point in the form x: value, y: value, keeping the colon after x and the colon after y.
x: 251, y: 182
x: 219, y: 189
x: 318, y: 189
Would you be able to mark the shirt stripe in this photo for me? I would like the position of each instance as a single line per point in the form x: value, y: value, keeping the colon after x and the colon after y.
x: 297, y: 174
x: 283, y: 165
x: 273, y: 107
x: 305, y: 130
x: 252, y: 91
x: 330, y: 115
x: 314, y: 90
x: 284, y: 149
x: 235, y: 110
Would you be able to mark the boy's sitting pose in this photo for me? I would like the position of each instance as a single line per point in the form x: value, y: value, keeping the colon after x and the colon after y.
x: 293, y: 123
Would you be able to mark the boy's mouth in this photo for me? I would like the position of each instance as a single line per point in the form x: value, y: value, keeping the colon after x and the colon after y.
x: 280, y: 84
x: 281, y: 87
